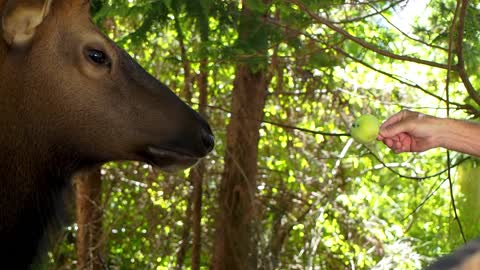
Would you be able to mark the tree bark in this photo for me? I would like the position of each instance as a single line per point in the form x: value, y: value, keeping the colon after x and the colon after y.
x: 197, y: 181
x: 89, y: 220
x: 187, y: 74
x: 235, y: 240
x: 199, y: 171
x: 187, y: 225
x: 187, y: 94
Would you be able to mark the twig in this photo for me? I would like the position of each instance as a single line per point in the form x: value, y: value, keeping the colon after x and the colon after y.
x: 430, y: 194
x: 377, y: 12
x: 417, y: 178
x: 390, y: 75
x: 407, y: 35
x: 401, y: 80
x: 306, y: 130
x: 285, y: 126
x: 362, y: 42
x: 447, y: 89
x: 459, y: 49
x: 467, y: 107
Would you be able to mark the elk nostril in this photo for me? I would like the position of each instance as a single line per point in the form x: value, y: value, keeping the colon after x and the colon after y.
x: 208, y: 141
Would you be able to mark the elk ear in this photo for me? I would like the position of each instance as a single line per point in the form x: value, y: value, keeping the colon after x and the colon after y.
x: 20, y: 19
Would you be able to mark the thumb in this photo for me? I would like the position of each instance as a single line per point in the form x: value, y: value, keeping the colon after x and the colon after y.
x: 403, y: 126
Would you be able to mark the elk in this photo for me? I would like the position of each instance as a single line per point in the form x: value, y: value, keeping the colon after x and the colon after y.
x: 71, y: 100
x: 466, y: 257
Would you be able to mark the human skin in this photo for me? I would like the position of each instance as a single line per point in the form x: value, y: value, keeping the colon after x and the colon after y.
x: 409, y: 131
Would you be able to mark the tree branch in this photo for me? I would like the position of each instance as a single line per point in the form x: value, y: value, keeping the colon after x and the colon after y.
x: 285, y: 126
x: 460, y: 55
x: 377, y: 12
x: 430, y: 193
x: 459, y: 15
x: 466, y: 107
x: 362, y: 42
x: 407, y: 35
x: 416, y: 178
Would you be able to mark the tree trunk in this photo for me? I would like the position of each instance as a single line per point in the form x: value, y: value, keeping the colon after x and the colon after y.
x: 199, y: 171
x: 89, y: 220
x: 187, y: 92
x: 187, y: 95
x: 235, y: 243
x: 197, y: 180
x: 187, y: 225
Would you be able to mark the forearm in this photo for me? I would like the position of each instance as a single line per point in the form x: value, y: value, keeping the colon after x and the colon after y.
x: 461, y: 136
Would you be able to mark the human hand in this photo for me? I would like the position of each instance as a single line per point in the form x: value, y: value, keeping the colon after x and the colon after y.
x: 409, y: 131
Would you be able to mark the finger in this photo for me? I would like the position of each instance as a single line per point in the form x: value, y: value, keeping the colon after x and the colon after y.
x: 397, y: 117
x: 402, y: 148
x: 398, y: 145
x: 403, y: 126
x: 405, y: 148
x: 391, y: 141
x: 422, y: 145
x: 404, y: 138
x: 397, y: 137
x: 388, y: 142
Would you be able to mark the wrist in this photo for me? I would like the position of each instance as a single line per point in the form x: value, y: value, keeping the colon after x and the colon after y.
x: 442, y: 131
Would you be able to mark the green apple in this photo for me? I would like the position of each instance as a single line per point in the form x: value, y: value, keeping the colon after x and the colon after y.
x: 365, y: 129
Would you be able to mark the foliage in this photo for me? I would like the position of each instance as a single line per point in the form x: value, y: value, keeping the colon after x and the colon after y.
x: 324, y: 201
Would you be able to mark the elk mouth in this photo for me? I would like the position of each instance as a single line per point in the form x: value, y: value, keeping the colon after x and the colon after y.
x: 170, y: 160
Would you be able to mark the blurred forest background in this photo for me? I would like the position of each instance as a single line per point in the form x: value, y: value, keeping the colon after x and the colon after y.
x: 281, y: 81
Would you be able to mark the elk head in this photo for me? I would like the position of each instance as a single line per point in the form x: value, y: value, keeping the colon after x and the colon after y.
x: 68, y: 90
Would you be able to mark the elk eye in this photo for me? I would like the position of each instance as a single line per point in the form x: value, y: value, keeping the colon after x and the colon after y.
x: 98, y: 57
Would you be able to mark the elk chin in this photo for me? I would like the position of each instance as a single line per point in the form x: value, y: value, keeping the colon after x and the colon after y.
x: 170, y: 160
